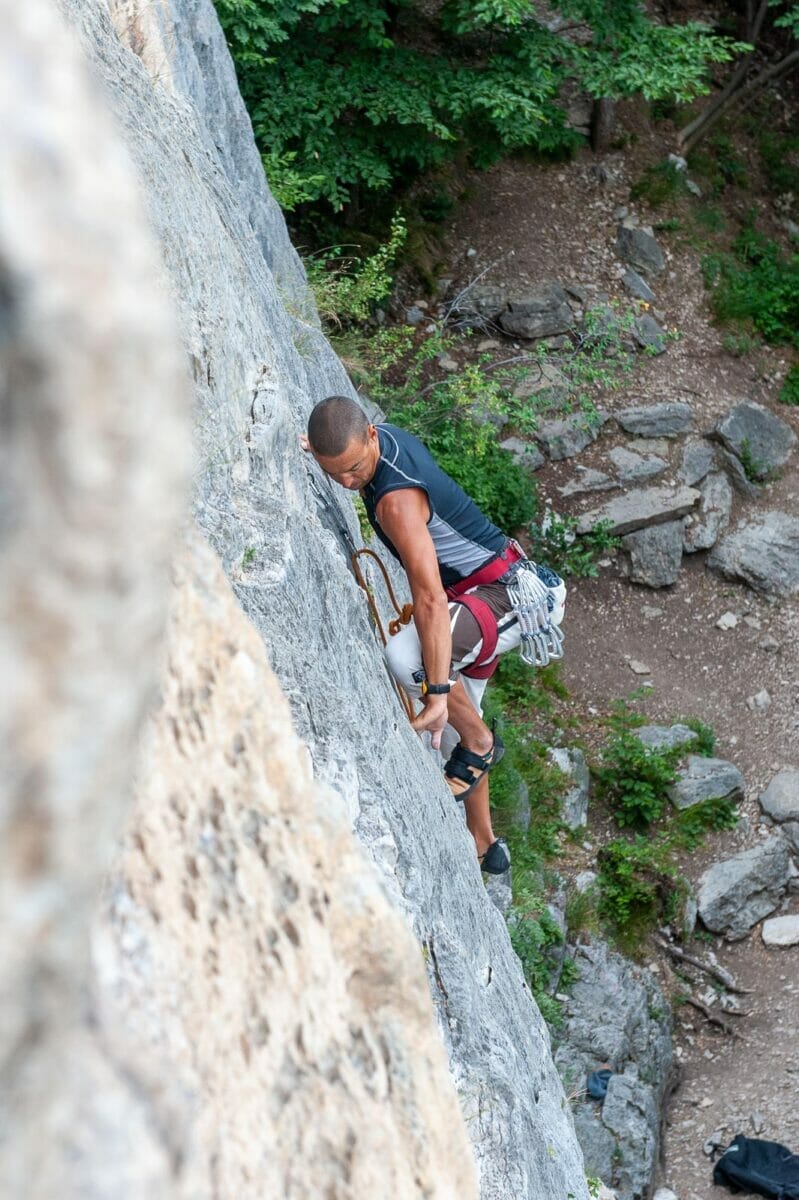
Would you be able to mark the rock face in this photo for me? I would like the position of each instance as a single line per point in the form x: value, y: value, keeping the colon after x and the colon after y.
x: 702, y: 529
x: 539, y: 312
x: 668, y: 419
x: 617, y: 1014
x: 756, y: 436
x: 698, y: 460
x: 706, y: 779
x: 764, y: 552
x: 572, y: 762
x: 735, y: 894
x: 92, y: 504
x: 634, y: 468
x: 566, y: 436
x: 271, y: 916
x: 655, y: 554
x: 781, y: 798
x: 258, y: 362
x: 639, y: 249
x: 640, y: 508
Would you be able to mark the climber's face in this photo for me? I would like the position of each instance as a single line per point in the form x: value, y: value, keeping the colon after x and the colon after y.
x: 356, y: 465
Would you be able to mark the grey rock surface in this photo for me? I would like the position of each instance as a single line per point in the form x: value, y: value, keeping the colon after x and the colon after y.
x: 284, y: 535
x: 574, y: 805
x: 735, y: 894
x: 526, y: 454
x: 92, y: 507
x: 763, y: 552
x: 781, y: 931
x: 706, y: 779
x: 617, y: 1015
x: 781, y: 798
x: 649, y: 335
x: 537, y: 312
x: 635, y: 468
x: 665, y: 737
x: 738, y: 477
x: 484, y: 300
x: 588, y: 481
x: 655, y: 554
x: 753, y: 433
x: 703, y: 528
x: 667, y: 419
x: 640, y: 508
x: 637, y: 286
x: 698, y: 460
x: 567, y: 436
x: 636, y: 247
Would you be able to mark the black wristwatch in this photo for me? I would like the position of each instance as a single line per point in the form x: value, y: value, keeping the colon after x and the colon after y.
x: 435, y: 689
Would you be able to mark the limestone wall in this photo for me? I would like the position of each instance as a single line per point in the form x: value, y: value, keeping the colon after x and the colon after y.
x: 199, y: 909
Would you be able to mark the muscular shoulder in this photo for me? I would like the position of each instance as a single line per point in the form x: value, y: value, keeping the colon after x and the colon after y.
x: 405, y: 508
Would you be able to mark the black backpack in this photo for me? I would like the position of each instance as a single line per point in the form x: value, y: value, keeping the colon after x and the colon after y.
x: 751, y: 1165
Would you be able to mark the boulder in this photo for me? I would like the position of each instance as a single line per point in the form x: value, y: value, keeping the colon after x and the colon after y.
x: 738, y: 477
x: 649, y: 335
x: 617, y: 1014
x: 781, y: 931
x: 526, y: 454
x: 637, y: 286
x: 544, y: 382
x: 665, y: 737
x: 781, y: 798
x: 640, y: 508
x: 483, y: 300
x: 640, y: 250
x: 633, y: 468
x: 737, y: 893
x: 706, y: 779
x: 763, y: 551
x: 697, y: 461
x: 668, y: 419
x: 567, y: 436
x: 702, y: 528
x: 574, y: 805
x: 588, y: 481
x: 757, y: 437
x: 538, y: 312
x: 655, y: 554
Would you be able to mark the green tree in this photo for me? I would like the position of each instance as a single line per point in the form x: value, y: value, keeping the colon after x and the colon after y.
x: 350, y: 97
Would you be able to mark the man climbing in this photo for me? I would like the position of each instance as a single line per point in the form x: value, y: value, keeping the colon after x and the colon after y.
x: 474, y: 593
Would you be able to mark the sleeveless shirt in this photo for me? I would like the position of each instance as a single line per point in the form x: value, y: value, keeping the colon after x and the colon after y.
x: 463, y: 537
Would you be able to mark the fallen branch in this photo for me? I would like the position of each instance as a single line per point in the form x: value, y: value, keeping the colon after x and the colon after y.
x: 713, y: 1018
x: 718, y: 973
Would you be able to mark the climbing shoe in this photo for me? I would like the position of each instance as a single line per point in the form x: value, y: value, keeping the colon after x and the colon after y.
x: 496, y: 860
x: 464, y: 769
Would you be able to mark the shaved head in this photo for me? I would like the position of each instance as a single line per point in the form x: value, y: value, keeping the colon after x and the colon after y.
x: 334, y: 424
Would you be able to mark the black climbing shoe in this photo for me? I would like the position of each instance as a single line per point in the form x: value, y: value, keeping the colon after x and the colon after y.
x: 496, y: 860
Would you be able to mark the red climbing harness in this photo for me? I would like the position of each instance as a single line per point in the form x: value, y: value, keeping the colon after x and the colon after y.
x: 487, y: 661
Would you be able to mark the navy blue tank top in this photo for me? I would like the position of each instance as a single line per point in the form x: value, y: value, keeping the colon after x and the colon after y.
x: 464, y: 538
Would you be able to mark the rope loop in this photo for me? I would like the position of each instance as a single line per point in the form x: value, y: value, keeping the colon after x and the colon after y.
x: 403, y: 617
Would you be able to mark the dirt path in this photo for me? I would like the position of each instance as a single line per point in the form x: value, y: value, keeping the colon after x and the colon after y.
x: 558, y: 223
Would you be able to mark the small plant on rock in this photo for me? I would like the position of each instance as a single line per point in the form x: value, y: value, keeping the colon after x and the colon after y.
x: 640, y: 887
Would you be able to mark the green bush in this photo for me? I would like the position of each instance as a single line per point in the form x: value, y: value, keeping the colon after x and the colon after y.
x: 640, y: 887
x: 633, y: 778
x: 351, y: 97
x: 758, y: 284
x: 347, y: 287
x: 534, y: 934
x: 557, y: 544
x: 789, y: 392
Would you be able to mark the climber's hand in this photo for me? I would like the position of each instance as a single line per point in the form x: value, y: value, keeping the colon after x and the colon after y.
x: 432, y: 719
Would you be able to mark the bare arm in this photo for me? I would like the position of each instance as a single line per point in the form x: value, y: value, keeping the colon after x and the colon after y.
x: 403, y: 515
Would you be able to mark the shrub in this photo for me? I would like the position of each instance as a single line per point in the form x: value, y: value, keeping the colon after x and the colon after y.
x: 556, y: 543
x: 632, y: 778
x: 640, y: 887
x: 789, y: 392
x: 756, y: 283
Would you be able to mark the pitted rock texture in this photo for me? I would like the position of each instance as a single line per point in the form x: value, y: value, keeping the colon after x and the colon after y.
x: 249, y: 942
x: 617, y: 1016
x: 763, y: 552
x: 735, y: 894
x: 91, y: 507
x: 284, y: 535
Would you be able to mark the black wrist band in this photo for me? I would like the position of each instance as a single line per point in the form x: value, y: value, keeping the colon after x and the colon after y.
x: 435, y: 689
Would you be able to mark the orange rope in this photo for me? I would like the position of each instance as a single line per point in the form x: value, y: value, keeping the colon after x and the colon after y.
x: 404, y: 613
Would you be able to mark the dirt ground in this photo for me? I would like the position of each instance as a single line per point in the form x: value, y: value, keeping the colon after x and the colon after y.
x: 558, y: 223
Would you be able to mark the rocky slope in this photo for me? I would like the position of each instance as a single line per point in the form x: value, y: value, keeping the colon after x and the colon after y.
x: 161, y: 1121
